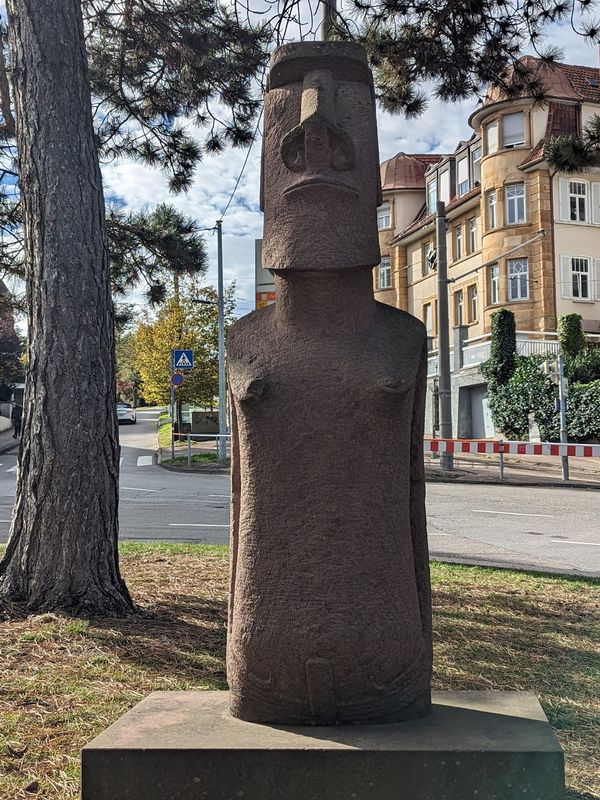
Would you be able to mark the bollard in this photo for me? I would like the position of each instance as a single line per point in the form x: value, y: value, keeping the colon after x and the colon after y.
x: 189, y: 438
x: 501, y: 460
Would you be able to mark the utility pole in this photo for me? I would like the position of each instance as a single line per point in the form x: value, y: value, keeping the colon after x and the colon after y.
x: 222, y: 443
x: 562, y: 402
x: 444, y: 389
x: 329, y: 12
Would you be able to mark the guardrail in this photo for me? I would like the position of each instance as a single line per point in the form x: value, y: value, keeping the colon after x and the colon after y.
x: 502, y: 448
x: 190, y: 438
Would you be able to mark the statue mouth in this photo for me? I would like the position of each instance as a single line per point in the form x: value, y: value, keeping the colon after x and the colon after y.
x: 319, y: 182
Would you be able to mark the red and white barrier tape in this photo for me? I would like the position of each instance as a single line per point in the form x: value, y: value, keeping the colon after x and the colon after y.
x: 511, y: 448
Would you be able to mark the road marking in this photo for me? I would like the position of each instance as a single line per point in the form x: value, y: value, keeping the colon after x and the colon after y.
x: 12, y: 469
x: 135, y: 489
x: 510, y: 513
x: 218, y: 495
x: 439, y: 534
x: 194, y: 525
x: 145, y: 461
x: 572, y: 541
x: 120, y: 462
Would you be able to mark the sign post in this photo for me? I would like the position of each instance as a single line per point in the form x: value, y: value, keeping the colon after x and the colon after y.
x: 180, y: 360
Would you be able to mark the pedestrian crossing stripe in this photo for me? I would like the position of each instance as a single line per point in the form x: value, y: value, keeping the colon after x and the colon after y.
x: 183, y: 361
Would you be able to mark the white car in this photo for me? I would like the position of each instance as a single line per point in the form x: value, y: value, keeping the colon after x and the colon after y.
x: 125, y: 413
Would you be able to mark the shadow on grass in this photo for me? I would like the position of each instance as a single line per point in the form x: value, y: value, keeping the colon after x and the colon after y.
x: 183, y: 637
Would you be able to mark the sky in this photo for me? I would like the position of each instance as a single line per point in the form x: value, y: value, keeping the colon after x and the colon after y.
x: 438, y: 130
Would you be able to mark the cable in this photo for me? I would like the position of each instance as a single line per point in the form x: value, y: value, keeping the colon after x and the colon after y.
x: 237, y: 183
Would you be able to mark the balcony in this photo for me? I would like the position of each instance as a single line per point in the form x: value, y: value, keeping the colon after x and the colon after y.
x: 478, y: 349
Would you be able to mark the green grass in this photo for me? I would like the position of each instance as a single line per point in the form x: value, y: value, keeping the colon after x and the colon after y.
x: 197, y: 458
x: 164, y: 432
x: 64, y: 680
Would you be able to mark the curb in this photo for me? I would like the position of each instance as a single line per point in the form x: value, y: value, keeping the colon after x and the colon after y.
x: 518, y: 567
x: 209, y: 470
x: 523, y: 483
x: 9, y: 448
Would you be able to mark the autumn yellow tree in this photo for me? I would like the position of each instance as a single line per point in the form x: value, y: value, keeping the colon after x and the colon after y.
x: 181, y: 324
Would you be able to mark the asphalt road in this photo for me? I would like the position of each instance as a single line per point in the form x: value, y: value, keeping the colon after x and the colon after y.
x: 555, y: 529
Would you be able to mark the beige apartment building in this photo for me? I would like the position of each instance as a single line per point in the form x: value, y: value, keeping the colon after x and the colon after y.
x: 499, y: 194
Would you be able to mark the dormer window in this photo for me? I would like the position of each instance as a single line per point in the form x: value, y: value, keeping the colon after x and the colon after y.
x: 462, y: 169
x: 432, y: 195
x: 513, y: 129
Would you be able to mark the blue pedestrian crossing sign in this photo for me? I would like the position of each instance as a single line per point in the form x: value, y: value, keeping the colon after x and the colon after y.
x: 182, y: 359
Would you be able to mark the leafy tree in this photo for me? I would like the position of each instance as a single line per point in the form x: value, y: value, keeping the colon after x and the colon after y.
x: 11, y: 348
x: 128, y: 379
x: 182, y: 324
x: 502, y: 362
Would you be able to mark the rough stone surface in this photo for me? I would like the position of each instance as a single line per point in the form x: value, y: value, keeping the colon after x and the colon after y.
x: 330, y: 618
x: 186, y: 746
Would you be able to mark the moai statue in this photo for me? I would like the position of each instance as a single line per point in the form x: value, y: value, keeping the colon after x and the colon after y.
x: 329, y: 618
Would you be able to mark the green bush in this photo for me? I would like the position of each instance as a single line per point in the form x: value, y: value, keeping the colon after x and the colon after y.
x: 570, y: 335
x: 584, y: 367
x: 583, y: 411
x: 529, y: 391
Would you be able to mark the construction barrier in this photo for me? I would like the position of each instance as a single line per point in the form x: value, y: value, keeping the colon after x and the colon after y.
x: 511, y: 448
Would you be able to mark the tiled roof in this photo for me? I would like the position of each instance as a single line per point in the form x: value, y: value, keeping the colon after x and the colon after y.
x: 425, y: 218
x: 406, y: 171
x: 561, y: 81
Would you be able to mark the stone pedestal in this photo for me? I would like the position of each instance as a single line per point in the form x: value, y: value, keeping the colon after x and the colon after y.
x: 187, y: 746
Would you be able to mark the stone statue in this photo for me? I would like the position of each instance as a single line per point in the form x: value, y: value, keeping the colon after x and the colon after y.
x: 329, y: 618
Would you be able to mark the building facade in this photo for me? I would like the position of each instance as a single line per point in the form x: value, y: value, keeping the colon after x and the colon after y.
x: 500, y: 195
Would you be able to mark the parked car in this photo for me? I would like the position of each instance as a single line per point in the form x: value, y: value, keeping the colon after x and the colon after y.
x: 125, y: 413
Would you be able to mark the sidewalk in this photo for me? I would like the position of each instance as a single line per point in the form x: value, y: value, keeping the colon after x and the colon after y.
x: 7, y: 443
x: 518, y: 470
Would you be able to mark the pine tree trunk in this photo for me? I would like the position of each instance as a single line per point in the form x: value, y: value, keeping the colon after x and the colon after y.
x: 62, y: 552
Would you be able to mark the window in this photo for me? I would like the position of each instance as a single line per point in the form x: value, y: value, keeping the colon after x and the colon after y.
x: 513, y: 129
x: 428, y: 318
x: 580, y: 278
x: 494, y: 284
x: 458, y: 307
x: 514, y: 205
x: 473, y: 303
x: 384, y: 273
x: 384, y: 219
x: 462, y: 170
x: 491, y: 137
x: 518, y: 279
x: 458, y: 242
x: 472, y: 235
x: 432, y: 196
x: 491, y: 209
x: 428, y: 257
x: 445, y: 186
x: 476, y: 164
x: 577, y: 201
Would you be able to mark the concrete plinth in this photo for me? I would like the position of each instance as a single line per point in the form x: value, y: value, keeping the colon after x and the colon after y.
x: 186, y: 746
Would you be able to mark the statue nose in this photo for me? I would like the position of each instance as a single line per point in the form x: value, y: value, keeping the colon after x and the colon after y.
x: 317, y: 144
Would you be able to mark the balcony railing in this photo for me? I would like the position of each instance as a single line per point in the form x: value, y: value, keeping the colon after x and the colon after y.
x: 477, y: 350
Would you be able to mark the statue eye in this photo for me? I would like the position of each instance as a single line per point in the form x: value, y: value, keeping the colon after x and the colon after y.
x: 293, y: 151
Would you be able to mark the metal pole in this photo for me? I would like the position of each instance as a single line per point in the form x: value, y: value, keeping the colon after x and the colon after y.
x: 444, y: 388
x: 501, y: 460
x: 562, y: 400
x: 329, y: 12
x: 222, y: 444
x: 172, y: 409
x: 189, y: 438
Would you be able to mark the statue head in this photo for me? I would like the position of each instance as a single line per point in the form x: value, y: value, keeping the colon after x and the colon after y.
x: 320, y: 184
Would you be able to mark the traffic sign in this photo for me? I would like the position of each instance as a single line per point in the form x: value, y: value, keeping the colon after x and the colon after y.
x: 182, y: 359
x: 177, y: 379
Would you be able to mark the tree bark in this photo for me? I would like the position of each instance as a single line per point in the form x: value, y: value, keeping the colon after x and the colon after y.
x: 62, y: 553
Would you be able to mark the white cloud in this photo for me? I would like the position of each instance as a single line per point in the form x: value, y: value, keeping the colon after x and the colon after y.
x: 439, y: 130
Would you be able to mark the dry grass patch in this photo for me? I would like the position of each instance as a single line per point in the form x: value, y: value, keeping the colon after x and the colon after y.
x: 64, y: 680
